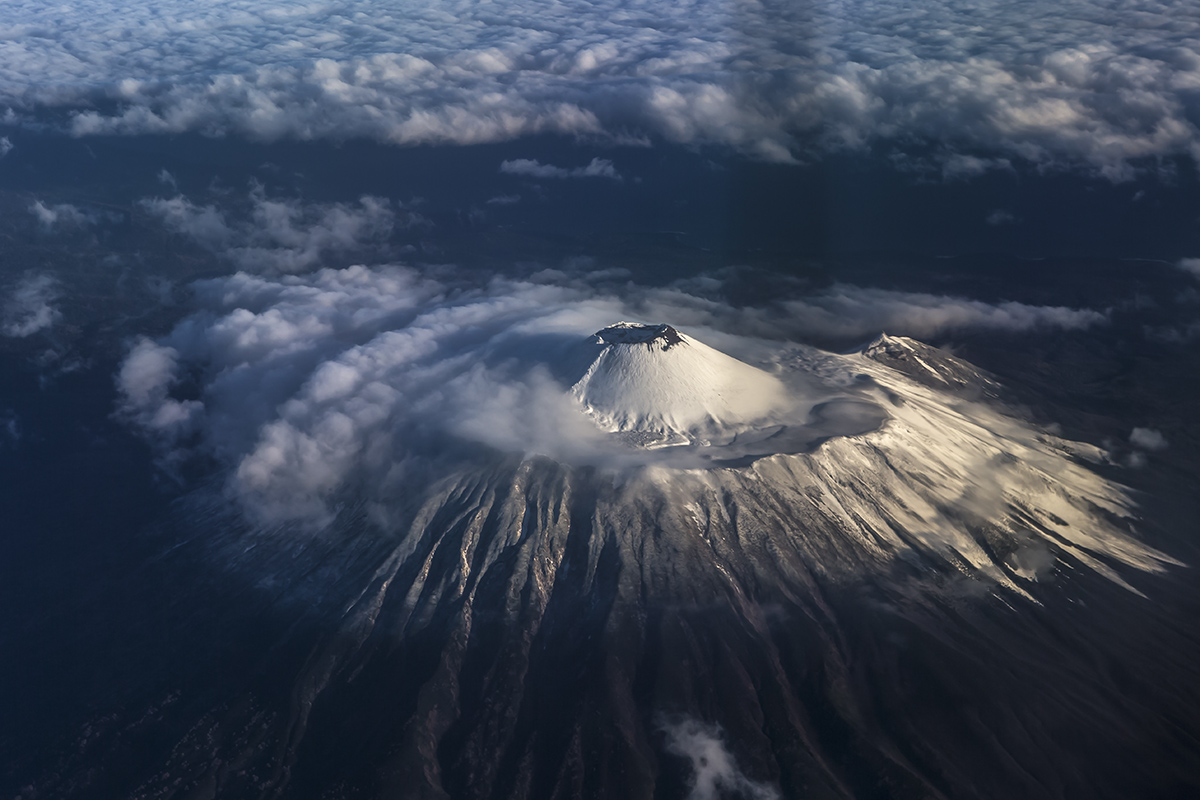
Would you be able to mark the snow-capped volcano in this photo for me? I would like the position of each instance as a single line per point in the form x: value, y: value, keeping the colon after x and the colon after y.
x: 652, y: 379
x: 536, y: 553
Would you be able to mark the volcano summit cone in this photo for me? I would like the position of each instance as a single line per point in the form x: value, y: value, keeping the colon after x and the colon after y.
x: 656, y: 381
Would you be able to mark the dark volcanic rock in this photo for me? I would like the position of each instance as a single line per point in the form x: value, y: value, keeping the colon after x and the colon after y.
x: 635, y: 333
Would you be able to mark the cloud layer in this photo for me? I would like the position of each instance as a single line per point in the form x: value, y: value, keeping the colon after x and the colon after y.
x: 1090, y: 82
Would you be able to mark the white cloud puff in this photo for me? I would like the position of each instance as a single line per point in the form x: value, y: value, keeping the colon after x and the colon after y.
x: 30, y: 307
x: 305, y: 385
x: 1148, y: 439
x: 145, y: 379
x: 1095, y: 84
x: 714, y: 771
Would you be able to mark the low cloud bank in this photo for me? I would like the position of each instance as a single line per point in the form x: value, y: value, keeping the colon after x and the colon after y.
x: 1094, y: 85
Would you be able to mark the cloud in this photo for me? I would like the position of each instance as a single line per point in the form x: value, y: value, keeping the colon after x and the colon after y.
x: 1190, y: 265
x: 6, y: 146
x: 62, y: 215
x: 307, y: 385
x: 1177, y: 334
x: 1097, y: 85
x: 849, y: 312
x: 147, y: 375
x: 285, y: 235
x: 504, y: 200
x: 960, y: 166
x: 1182, y: 332
x: 1147, y: 439
x: 597, y: 168
x: 10, y: 429
x: 946, y: 165
x: 1000, y: 217
x: 204, y: 225
x: 30, y: 307
x: 714, y: 771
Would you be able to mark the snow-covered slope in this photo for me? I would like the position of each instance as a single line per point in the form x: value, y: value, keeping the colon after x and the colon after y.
x: 929, y: 365
x: 654, y: 379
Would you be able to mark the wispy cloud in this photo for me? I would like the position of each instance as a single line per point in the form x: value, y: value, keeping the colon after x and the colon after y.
x: 847, y: 311
x: 30, y: 306
x: 10, y: 429
x: 283, y: 234
x: 597, y: 168
x: 61, y: 215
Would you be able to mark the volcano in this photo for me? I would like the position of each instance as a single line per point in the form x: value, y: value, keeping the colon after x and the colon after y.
x: 802, y: 568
